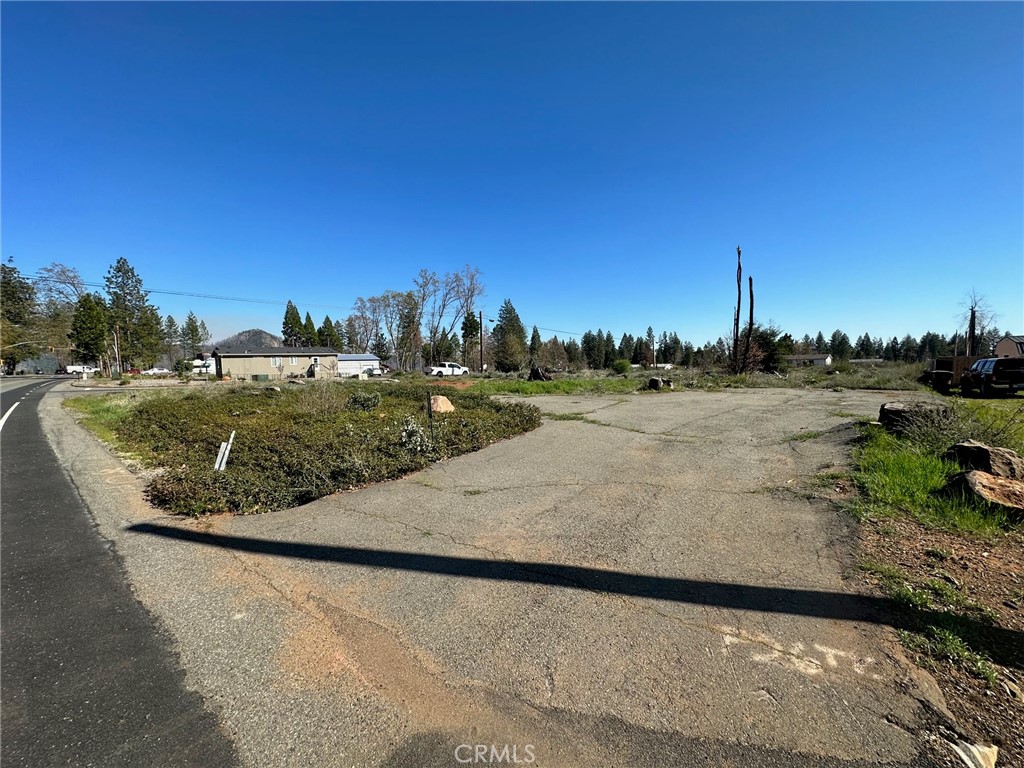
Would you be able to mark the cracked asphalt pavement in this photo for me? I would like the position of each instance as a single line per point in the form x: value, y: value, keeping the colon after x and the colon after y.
x: 645, y: 581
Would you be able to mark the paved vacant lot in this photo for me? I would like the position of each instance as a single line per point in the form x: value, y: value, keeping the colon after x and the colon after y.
x: 639, y: 583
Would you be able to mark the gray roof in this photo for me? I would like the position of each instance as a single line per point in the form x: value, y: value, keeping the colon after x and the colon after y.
x: 366, y: 357
x: 820, y: 356
x: 272, y: 351
x: 1015, y: 339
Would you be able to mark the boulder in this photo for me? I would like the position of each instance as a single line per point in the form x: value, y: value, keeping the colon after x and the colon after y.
x: 441, y: 404
x: 997, y: 490
x: 1001, y: 462
x: 896, y: 416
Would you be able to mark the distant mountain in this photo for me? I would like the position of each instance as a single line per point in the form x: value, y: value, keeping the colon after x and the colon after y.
x: 252, y: 338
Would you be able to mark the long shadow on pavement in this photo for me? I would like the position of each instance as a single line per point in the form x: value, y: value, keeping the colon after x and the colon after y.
x: 1003, y: 646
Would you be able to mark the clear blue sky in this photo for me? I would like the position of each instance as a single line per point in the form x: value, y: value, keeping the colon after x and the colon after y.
x: 598, y: 163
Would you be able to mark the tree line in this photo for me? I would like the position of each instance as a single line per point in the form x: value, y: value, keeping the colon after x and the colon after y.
x: 118, y: 329
x: 392, y: 326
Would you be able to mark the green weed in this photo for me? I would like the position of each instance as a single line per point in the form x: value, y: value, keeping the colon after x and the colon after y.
x: 296, y: 445
x: 898, y: 476
x: 566, y: 386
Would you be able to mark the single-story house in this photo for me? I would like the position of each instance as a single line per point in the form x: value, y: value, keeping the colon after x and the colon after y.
x: 822, y: 361
x: 353, y: 365
x: 1010, y: 346
x: 273, y: 363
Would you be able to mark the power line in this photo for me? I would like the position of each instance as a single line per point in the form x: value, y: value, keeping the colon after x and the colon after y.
x: 190, y: 294
x: 272, y: 302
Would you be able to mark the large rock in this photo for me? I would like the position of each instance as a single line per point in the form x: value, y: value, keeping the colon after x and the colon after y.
x: 997, y: 490
x: 897, y: 416
x: 441, y: 404
x: 1002, y: 462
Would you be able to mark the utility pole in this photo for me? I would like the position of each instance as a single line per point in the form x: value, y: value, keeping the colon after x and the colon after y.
x: 481, y: 341
x: 117, y: 348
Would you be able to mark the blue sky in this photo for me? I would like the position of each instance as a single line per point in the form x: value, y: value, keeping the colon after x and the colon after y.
x: 598, y: 163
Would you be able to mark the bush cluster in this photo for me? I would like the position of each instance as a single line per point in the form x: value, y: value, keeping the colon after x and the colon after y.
x: 294, y: 446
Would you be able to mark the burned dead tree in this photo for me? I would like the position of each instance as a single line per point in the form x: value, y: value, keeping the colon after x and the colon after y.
x: 736, y: 314
x: 740, y: 359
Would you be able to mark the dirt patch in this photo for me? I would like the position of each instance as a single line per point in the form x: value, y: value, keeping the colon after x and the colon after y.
x: 332, y: 644
x: 990, y: 574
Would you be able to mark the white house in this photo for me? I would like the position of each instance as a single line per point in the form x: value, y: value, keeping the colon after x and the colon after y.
x: 353, y: 365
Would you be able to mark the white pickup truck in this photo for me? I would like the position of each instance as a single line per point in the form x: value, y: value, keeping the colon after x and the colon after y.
x: 446, y: 369
x: 75, y: 369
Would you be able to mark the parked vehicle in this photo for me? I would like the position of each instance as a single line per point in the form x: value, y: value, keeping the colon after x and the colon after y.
x: 155, y: 372
x: 945, y: 372
x: 446, y: 369
x: 993, y: 376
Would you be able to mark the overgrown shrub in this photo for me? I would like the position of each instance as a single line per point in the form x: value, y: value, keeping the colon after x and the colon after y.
x: 363, y: 400
x: 299, y: 444
x: 621, y: 366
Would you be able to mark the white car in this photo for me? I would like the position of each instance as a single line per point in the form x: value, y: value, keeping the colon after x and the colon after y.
x: 155, y: 372
x: 447, y: 369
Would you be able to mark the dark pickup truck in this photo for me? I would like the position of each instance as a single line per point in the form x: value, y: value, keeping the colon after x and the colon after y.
x: 993, y: 375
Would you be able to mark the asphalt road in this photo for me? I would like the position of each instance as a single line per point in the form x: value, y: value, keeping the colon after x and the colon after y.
x: 89, y: 676
x: 649, y: 582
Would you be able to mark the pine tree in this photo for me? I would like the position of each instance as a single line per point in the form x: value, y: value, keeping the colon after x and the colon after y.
x: 191, y: 339
x: 820, y: 345
x: 291, y: 328
x: 89, y: 328
x: 609, y: 350
x: 381, y: 348
x: 172, y: 340
x: 839, y: 345
x: 339, y: 328
x: 573, y: 354
x: 588, y: 349
x: 327, y: 335
x: 309, y: 335
x: 470, y: 337
x: 625, y: 348
x: 131, y: 316
x: 535, y: 345
x: 509, y: 339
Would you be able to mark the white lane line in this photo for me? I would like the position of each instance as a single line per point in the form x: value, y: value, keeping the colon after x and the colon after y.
x: 4, y: 419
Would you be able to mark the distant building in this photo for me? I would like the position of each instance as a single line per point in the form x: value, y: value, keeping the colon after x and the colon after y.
x: 274, y: 363
x: 353, y: 365
x: 1010, y: 346
x: 822, y: 361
